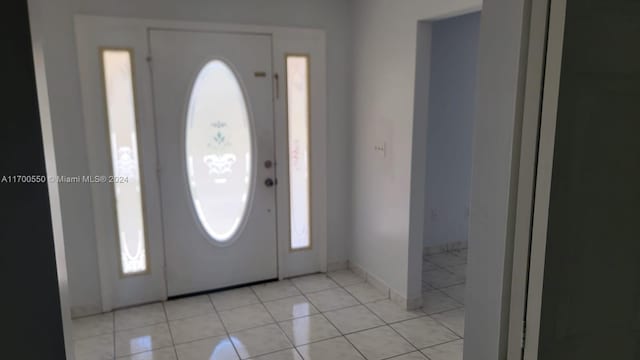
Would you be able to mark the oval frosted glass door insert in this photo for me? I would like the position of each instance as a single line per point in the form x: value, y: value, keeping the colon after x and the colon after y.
x: 219, y: 151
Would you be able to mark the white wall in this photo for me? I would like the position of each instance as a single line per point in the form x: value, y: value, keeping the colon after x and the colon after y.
x: 454, y: 57
x: 68, y: 134
x: 384, y: 71
x: 60, y: 54
x: 496, y: 151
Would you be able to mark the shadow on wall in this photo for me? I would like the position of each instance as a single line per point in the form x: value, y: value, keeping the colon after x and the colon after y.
x: 454, y: 54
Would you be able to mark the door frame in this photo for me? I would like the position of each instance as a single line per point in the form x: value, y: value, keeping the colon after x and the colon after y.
x: 546, y: 35
x: 93, y: 32
x: 549, y: 112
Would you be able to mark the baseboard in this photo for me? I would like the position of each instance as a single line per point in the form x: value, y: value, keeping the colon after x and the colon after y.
x: 377, y: 283
x: 87, y: 310
x: 337, y: 265
x: 373, y: 280
x: 408, y: 304
x: 358, y: 270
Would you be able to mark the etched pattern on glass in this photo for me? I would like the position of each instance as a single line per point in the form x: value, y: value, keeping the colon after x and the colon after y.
x: 118, y: 78
x: 218, y: 150
x: 298, y: 112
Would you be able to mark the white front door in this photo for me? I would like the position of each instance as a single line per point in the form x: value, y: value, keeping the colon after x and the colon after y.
x: 215, y: 136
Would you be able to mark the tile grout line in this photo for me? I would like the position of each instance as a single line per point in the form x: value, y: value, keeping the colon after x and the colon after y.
x: 344, y: 337
x: 275, y: 322
x: 446, y: 326
x: 385, y: 324
x: 351, y: 343
x: 228, y: 335
x: 436, y: 345
x: 394, y: 330
x: 320, y: 312
x: 440, y: 266
x: 173, y: 341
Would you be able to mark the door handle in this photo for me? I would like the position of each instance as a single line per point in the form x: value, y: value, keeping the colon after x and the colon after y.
x: 269, y: 182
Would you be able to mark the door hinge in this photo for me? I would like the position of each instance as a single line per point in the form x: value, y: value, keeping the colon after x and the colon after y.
x: 148, y: 58
x: 524, y: 334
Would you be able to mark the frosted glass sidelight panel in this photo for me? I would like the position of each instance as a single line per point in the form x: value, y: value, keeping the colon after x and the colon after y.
x: 121, y: 115
x: 219, y: 151
x: 298, y: 119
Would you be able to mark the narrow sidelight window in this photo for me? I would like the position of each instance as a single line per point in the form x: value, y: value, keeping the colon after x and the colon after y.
x: 121, y: 117
x: 298, y: 109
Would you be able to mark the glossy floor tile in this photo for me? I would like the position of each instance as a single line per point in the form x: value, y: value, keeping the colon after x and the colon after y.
x: 424, y: 332
x: 161, y: 354
x: 448, y: 351
x: 196, y: 328
x: 309, y: 329
x: 332, y: 299
x: 366, y: 293
x: 97, y: 347
x: 333, y: 349
x: 290, y: 308
x: 133, y: 341
x: 289, y: 354
x: 444, y: 280
x: 92, y: 326
x: 456, y: 292
x: 391, y: 312
x: 411, y: 356
x: 353, y: 319
x: 276, y: 290
x: 316, y: 317
x: 245, y: 317
x: 231, y: 299
x: 345, y: 277
x: 313, y: 283
x: 459, y: 270
x: 435, y: 301
x: 380, y: 343
x: 260, y: 341
x: 453, y: 320
x: 188, y: 307
x: 439, y: 278
x: 217, y: 348
x: 140, y: 316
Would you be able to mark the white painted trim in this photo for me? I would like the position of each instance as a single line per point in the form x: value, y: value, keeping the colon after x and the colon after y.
x: 115, y: 290
x: 380, y: 285
x: 417, y: 204
x: 313, y: 43
x: 36, y: 17
x: 543, y: 182
x: 375, y: 281
x: 537, y: 35
x: 135, y: 31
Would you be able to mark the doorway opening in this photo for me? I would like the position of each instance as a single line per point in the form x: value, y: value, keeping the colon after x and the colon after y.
x: 228, y: 124
x: 450, y: 116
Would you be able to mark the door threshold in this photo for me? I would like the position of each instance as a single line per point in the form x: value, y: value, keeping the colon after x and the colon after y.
x: 213, y: 291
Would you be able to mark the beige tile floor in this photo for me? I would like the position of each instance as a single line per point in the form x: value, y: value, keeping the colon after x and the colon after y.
x: 337, y: 316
